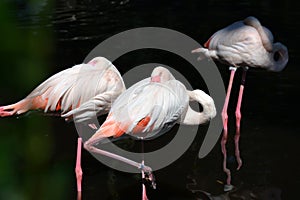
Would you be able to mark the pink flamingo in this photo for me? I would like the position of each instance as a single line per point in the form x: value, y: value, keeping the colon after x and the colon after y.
x: 77, y: 93
x: 151, y: 106
x: 242, y: 44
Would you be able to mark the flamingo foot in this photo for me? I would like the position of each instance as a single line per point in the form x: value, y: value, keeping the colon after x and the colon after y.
x: 147, y: 180
x: 4, y: 112
x: 148, y: 176
x: 17, y: 108
x: 228, y: 188
x: 144, y: 194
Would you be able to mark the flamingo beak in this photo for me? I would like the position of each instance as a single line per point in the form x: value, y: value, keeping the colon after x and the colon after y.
x: 155, y: 79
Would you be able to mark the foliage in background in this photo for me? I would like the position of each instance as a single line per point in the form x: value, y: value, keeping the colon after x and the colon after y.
x: 26, y: 143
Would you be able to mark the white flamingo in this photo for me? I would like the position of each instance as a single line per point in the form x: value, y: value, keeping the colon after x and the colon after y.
x: 151, y: 106
x: 77, y: 93
x: 242, y: 44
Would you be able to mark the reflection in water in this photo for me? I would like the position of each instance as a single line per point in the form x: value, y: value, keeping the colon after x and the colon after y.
x: 44, y: 37
x: 259, y: 193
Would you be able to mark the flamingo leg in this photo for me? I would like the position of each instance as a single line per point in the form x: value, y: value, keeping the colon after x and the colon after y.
x: 238, y: 116
x: 147, y: 170
x: 144, y: 194
x: 78, y: 169
x: 224, y: 114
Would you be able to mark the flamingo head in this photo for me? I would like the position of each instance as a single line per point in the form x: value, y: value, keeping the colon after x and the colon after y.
x: 99, y: 61
x: 161, y: 74
x: 279, y: 57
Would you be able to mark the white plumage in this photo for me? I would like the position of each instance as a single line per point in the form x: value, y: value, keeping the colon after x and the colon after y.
x: 82, y: 91
x: 245, y: 43
x: 152, y: 106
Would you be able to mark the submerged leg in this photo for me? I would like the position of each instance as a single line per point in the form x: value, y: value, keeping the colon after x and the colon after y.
x: 228, y: 186
x: 238, y: 119
x: 146, y: 178
x: 78, y: 169
x: 144, y: 194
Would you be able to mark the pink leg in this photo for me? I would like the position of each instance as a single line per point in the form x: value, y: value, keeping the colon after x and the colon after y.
x: 144, y: 194
x: 238, y: 116
x: 89, y: 146
x: 78, y: 169
x: 225, y: 132
x: 79, y: 196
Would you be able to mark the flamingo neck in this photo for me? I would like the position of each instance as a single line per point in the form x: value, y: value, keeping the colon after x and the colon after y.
x: 209, y: 110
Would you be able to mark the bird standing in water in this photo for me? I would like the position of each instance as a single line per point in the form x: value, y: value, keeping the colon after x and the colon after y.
x: 78, y: 93
x: 149, y: 107
x: 242, y: 44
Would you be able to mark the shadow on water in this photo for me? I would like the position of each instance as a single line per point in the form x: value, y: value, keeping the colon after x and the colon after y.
x: 37, y: 154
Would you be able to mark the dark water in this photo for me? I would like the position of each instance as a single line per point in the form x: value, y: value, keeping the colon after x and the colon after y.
x: 37, y: 153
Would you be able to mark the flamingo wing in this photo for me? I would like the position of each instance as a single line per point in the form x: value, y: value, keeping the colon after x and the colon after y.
x: 239, y: 45
x: 81, y: 90
x: 149, y: 108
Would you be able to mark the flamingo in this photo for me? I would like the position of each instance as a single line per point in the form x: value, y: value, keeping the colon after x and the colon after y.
x: 242, y: 44
x: 149, y: 107
x: 77, y: 93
